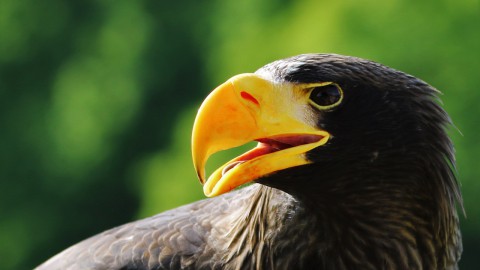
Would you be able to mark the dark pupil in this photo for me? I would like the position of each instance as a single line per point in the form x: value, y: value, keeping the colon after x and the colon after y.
x: 325, y: 95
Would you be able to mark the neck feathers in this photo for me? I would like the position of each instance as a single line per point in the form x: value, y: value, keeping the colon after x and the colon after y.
x: 274, y: 230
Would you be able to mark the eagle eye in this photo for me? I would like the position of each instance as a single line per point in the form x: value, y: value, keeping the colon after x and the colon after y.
x: 326, y: 96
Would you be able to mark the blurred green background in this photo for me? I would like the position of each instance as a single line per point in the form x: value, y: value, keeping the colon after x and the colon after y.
x: 97, y: 98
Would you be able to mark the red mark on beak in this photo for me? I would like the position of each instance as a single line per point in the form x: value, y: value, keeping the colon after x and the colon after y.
x: 249, y: 97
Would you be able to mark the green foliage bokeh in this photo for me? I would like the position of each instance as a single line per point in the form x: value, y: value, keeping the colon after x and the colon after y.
x: 97, y: 98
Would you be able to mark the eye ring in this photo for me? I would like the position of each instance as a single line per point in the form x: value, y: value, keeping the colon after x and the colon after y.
x: 325, y: 96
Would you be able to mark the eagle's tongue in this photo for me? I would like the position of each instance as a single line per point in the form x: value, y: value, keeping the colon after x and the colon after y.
x: 270, y: 145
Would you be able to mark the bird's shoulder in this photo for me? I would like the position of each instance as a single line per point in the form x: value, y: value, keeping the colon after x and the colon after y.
x: 165, y: 241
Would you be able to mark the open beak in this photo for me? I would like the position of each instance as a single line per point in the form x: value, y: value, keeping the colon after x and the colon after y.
x: 249, y: 108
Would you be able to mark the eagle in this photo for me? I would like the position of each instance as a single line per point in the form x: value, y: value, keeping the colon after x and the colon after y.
x: 353, y: 169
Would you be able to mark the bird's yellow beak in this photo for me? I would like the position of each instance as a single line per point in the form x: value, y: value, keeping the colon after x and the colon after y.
x: 249, y: 108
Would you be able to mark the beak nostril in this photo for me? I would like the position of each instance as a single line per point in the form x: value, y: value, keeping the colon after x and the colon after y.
x: 249, y: 97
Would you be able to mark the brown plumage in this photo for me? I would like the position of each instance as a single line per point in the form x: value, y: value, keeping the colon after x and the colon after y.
x: 380, y: 194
